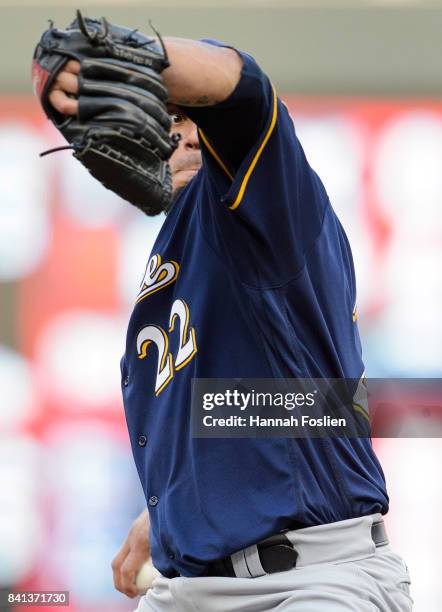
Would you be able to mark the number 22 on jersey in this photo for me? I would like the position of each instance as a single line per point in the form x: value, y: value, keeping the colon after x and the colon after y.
x: 166, y: 365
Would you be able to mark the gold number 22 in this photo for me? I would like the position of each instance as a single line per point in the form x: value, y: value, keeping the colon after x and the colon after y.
x: 166, y: 366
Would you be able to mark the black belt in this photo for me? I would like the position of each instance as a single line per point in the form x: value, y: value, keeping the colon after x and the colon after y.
x: 277, y: 554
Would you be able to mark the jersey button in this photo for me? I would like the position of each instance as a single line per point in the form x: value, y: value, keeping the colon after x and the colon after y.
x: 153, y: 500
x: 170, y: 555
x: 126, y: 381
x: 142, y: 441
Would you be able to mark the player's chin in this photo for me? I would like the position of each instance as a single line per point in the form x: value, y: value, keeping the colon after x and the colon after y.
x: 182, y: 178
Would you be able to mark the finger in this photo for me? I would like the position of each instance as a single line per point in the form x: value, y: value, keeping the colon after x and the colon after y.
x: 116, y: 566
x: 67, y: 82
x: 129, y: 570
x: 62, y: 103
x: 128, y: 583
x: 72, y: 66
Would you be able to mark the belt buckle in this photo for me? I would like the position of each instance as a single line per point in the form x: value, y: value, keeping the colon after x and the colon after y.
x: 277, y: 554
x: 272, y: 555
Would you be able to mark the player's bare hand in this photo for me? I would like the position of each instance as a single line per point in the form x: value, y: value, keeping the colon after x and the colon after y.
x: 64, y: 89
x: 134, y: 552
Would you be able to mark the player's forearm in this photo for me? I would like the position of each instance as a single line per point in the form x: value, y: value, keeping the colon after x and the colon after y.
x: 200, y: 74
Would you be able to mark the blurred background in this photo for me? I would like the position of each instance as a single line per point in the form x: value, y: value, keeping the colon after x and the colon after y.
x: 363, y: 82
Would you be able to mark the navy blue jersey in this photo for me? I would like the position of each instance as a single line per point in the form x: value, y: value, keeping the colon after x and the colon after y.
x: 251, y: 276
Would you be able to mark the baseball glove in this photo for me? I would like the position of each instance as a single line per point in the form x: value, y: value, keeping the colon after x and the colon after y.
x: 121, y: 133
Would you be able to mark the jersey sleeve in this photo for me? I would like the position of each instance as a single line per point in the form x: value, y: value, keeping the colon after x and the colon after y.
x: 265, y: 203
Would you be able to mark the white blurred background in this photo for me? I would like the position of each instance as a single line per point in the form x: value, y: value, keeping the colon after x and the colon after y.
x: 368, y: 112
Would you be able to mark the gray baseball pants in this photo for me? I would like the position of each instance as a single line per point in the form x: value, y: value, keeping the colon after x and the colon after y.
x: 339, y: 569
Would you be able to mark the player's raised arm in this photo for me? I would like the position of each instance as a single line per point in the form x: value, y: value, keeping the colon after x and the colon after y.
x: 201, y: 75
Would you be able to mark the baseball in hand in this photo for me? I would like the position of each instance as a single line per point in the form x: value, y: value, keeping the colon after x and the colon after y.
x: 146, y: 576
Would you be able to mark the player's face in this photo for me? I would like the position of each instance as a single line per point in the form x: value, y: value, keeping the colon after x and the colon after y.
x: 186, y: 159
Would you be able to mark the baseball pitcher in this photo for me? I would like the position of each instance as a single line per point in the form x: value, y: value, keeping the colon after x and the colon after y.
x: 251, y: 276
